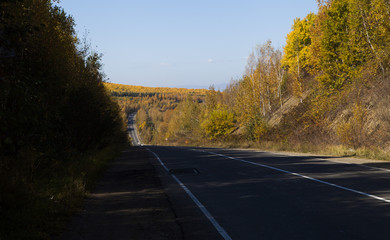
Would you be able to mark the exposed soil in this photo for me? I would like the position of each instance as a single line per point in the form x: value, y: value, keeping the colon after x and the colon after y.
x: 128, y: 203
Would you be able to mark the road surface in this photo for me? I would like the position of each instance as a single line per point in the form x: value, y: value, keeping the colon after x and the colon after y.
x: 131, y: 128
x: 258, y: 195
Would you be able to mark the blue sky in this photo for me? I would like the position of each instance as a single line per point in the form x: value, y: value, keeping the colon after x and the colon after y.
x: 173, y: 43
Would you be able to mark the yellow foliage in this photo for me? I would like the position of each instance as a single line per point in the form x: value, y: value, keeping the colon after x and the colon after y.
x: 219, y: 124
x: 122, y: 88
x: 297, y: 52
x: 142, y: 125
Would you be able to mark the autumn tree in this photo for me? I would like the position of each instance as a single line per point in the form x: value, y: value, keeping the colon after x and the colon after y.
x: 296, y: 57
x: 259, y: 92
x: 219, y: 124
x: 369, y: 20
x: 343, y: 42
x: 54, y: 111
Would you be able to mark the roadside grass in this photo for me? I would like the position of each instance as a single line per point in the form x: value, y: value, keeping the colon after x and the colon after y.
x: 318, y: 149
x: 38, y: 207
x: 324, y: 149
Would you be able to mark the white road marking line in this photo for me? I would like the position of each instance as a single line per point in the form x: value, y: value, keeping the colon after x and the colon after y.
x: 364, y: 166
x: 303, y: 176
x: 355, y: 164
x: 208, y: 215
x: 341, y: 162
x: 159, y: 160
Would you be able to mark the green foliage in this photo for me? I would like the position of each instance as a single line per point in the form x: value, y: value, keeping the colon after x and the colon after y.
x: 337, y: 54
x: 350, y: 36
x: 220, y: 124
x: 256, y: 128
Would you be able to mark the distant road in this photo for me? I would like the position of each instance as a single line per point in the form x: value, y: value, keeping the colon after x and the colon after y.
x: 259, y: 195
x: 131, y: 129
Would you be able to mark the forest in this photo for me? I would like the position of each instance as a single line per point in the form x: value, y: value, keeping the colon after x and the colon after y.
x: 325, y: 91
x: 58, y: 124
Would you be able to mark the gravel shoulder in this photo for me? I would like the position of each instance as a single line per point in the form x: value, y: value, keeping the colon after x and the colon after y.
x: 128, y: 203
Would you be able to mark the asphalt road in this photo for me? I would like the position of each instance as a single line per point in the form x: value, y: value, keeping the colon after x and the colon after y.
x: 258, y: 195
x: 136, y: 141
x: 237, y: 194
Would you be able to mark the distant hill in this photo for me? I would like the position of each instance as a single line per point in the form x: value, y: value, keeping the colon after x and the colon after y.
x: 131, y: 98
x: 132, y: 90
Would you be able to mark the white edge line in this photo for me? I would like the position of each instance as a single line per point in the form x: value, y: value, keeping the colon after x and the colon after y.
x: 208, y: 215
x: 303, y: 176
x: 319, y: 158
x: 365, y: 166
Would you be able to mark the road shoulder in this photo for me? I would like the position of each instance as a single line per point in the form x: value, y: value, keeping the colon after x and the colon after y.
x: 128, y: 203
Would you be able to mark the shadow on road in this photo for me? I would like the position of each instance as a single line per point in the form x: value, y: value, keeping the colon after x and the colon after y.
x: 128, y: 203
x: 252, y: 201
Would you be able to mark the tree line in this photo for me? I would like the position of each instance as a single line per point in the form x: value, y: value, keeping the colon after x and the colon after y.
x: 155, y: 106
x: 54, y: 110
x: 334, y: 64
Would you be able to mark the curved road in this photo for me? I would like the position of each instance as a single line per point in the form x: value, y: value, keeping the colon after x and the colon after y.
x: 236, y: 194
